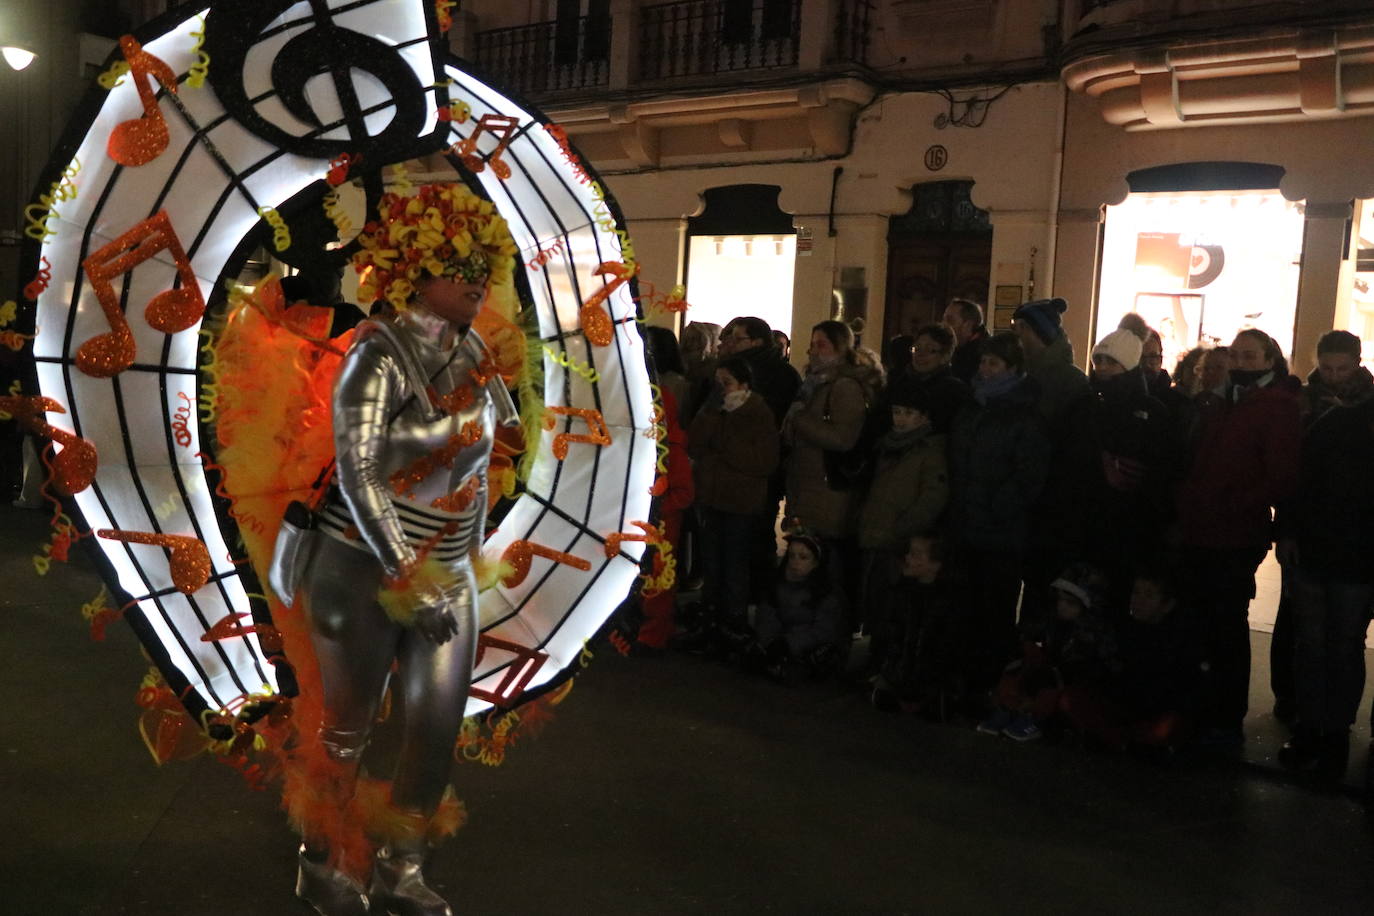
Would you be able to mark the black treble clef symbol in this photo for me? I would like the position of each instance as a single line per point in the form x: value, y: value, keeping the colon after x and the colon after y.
x: 321, y: 46
x: 311, y: 45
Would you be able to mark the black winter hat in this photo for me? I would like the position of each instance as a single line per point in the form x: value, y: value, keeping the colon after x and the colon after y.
x: 1043, y: 317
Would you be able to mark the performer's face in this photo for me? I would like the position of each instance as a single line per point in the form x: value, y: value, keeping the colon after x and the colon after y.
x: 452, y: 299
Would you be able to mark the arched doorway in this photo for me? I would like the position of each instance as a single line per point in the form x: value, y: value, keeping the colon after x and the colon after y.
x: 741, y: 251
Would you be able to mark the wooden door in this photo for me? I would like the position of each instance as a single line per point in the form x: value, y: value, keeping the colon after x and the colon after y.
x: 924, y: 273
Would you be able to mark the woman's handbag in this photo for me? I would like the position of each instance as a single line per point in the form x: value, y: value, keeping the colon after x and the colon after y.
x: 852, y: 468
x: 300, y: 528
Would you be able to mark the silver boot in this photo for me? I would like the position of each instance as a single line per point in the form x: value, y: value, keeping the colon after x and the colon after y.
x: 399, y: 889
x: 330, y: 891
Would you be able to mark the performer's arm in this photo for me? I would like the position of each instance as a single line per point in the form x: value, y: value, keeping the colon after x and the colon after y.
x: 369, y: 390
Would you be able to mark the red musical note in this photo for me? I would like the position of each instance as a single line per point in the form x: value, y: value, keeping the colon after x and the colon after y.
x: 74, y: 467
x: 170, y: 311
x: 142, y: 140
x: 189, y: 561
x: 517, y: 675
x: 651, y: 535
x: 598, y: 433
x: 502, y: 127
x: 518, y: 555
x: 596, y: 321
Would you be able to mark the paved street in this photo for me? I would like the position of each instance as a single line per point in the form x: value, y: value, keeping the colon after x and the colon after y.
x: 665, y: 786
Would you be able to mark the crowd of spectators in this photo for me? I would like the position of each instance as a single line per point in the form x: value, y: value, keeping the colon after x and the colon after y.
x: 1022, y: 546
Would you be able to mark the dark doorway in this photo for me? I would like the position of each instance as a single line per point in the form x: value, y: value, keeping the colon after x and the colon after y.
x: 939, y: 250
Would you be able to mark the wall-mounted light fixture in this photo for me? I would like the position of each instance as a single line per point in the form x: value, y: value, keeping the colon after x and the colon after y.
x: 17, y: 56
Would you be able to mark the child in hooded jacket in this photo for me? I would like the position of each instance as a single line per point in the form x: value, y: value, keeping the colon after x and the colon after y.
x: 1076, y: 649
x: 798, y: 626
x: 907, y: 496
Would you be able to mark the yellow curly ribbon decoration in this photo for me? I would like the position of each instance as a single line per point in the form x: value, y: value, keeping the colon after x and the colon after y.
x: 281, y: 233
x: 95, y: 605
x: 114, y: 76
x: 167, y: 508
x: 8, y: 312
x: 659, y: 430
x: 334, y: 209
x: 666, y: 577
x: 210, y: 368
x: 195, y: 77
x: 400, y: 179
x: 567, y: 362
x: 38, y: 215
x: 585, y: 658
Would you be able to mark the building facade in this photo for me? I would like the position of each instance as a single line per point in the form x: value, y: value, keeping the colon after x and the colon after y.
x: 1202, y: 161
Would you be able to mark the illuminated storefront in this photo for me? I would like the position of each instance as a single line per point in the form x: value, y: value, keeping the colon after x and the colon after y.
x: 735, y: 275
x: 1201, y: 265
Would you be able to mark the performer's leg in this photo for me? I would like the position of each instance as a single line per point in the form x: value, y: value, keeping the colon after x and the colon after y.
x: 355, y: 644
x: 434, y: 681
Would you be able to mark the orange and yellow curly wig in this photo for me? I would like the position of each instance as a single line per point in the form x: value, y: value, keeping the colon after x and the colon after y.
x: 444, y: 230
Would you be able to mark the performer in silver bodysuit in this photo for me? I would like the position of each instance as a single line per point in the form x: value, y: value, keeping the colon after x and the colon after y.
x: 414, y: 410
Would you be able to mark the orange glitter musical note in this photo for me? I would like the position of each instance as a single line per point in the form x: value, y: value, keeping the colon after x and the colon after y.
x: 651, y: 535
x: 596, y: 321
x: 598, y: 435
x: 141, y: 140
x: 502, y: 127
x: 170, y: 311
x: 189, y: 561
x: 518, y: 555
x: 74, y: 467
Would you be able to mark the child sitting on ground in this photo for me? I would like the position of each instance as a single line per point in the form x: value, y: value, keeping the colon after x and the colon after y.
x: 920, y: 671
x: 1148, y: 704
x: 1075, y: 650
x: 798, y: 627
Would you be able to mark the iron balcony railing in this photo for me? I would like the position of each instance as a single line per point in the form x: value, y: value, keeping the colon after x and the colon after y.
x: 853, y: 31
x: 571, y: 53
x: 702, y: 37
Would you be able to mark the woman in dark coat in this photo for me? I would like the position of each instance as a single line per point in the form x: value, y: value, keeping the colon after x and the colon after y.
x: 999, y: 458
x: 1246, y: 464
x: 1133, y: 438
x: 735, y: 447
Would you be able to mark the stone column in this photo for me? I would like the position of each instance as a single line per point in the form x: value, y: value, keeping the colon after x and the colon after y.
x: 1075, y: 276
x: 1324, y: 244
x: 624, y: 41
x: 817, y: 32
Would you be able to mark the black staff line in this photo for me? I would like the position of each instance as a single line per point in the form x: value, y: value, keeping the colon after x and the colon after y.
x: 134, y: 367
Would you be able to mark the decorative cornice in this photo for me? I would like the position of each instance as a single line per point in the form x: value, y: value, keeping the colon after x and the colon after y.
x: 1288, y: 74
x: 728, y: 120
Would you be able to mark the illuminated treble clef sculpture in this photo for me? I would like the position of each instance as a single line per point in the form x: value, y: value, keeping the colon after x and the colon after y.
x: 238, y: 31
x: 298, y: 45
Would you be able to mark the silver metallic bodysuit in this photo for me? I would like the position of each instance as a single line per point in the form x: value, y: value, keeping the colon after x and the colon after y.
x: 407, y: 436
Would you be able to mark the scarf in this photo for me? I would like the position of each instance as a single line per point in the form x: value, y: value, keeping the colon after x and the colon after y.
x: 985, y: 390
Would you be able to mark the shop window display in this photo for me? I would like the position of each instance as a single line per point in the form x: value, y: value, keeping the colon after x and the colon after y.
x: 1202, y: 265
